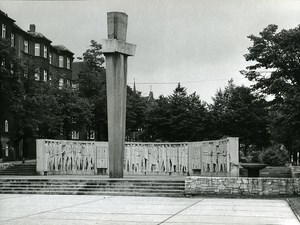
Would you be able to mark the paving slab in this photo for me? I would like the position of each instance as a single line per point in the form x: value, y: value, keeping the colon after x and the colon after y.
x: 295, y: 205
x: 128, y: 210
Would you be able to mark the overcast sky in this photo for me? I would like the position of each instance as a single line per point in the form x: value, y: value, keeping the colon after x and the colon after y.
x: 199, y: 43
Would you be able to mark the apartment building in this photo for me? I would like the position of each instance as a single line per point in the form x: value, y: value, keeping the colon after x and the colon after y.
x: 49, y: 60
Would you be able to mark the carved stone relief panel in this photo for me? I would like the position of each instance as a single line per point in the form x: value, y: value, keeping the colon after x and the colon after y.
x: 69, y: 157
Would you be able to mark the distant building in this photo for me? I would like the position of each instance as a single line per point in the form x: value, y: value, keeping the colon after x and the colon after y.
x: 49, y: 60
x: 77, y: 67
x: 149, y: 99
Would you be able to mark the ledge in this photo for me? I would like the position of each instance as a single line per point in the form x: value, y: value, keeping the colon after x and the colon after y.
x: 117, y: 46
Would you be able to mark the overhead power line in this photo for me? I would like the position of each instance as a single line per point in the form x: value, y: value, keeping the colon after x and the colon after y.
x: 198, y: 81
x: 182, y: 82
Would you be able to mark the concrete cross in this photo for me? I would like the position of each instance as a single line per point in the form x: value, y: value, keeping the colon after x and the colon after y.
x: 116, y: 51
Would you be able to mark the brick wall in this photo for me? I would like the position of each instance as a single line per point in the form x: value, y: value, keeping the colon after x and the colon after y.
x: 242, y: 186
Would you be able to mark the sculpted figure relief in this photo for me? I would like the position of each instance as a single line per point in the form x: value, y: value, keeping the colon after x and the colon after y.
x: 158, y: 158
x: 67, y: 156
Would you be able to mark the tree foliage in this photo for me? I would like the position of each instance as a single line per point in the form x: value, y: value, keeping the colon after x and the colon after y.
x: 178, y: 117
x: 275, y: 72
x: 92, y: 85
x: 277, y: 52
x: 10, y: 75
x: 275, y: 155
x: 135, y: 114
x: 37, y: 109
x: 237, y: 111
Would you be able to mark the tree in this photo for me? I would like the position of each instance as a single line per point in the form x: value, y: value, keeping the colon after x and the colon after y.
x: 36, y: 109
x: 178, y: 117
x: 92, y: 85
x: 277, y: 52
x: 275, y: 155
x: 10, y: 87
x: 238, y: 112
x: 75, y: 111
x: 135, y: 114
x: 187, y: 116
x: 156, y: 120
x: 39, y: 112
x: 276, y: 69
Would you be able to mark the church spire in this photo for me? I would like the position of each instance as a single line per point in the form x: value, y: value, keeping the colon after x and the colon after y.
x: 134, y: 88
x: 151, y: 97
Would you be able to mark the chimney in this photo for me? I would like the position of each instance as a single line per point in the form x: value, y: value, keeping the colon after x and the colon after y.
x: 32, y: 28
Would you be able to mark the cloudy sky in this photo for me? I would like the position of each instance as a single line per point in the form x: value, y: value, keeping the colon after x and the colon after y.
x: 199, y: 43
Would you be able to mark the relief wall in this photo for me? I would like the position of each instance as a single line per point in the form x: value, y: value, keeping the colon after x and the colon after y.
x: 156, y: 158
x: 208, y: 158
x: 68, y: 157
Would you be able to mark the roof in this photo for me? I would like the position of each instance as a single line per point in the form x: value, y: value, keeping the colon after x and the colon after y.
x: 19, y: 28
x: 61, y: 48
x: 33, y: 34
x: 38, y: 35
x: 5, y: 14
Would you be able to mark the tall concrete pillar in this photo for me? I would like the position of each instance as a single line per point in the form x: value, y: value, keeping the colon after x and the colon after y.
x: 116, y: 51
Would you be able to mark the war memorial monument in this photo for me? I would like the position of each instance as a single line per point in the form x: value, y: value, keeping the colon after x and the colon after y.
x: 207, y: 167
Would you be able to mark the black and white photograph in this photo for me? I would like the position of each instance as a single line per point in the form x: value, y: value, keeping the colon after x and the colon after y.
x: 129, y: 112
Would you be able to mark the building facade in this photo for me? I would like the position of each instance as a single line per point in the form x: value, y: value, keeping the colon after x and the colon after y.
x: 49, y: 61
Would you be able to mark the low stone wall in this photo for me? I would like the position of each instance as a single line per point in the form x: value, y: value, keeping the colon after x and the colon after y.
x: 295, y: 170
x: 242, y: 186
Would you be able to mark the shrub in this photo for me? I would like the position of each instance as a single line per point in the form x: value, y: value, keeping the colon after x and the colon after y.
x: 275, y: 155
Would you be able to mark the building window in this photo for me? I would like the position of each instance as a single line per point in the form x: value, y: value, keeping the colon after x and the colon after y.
x: 37, y: 51
x: 90, y: 135
x: 61, y: 83
x: 75, y: 134
x: 37, y: 74
x: 68, y: 63
x: 3, y: 31
x: 26, y: 46
x: 50, y: 58
x: 45, y: 75
x: 12, y: 39
x: 61, y: 61
x: 6, y: 126
x: 45, y: 52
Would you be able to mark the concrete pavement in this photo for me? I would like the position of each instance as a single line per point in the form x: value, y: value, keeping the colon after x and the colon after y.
x: 86, y: 210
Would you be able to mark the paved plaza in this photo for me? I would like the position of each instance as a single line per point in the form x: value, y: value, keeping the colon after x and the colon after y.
x: 83, y: 209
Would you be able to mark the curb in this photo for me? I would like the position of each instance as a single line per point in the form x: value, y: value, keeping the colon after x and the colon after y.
x: 293, y: 209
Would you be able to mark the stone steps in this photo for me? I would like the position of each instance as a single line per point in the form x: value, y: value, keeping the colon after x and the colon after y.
x: 93, y: 187
x: 155, y: 194
x: 25, y: 169
x: 66, y: 190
